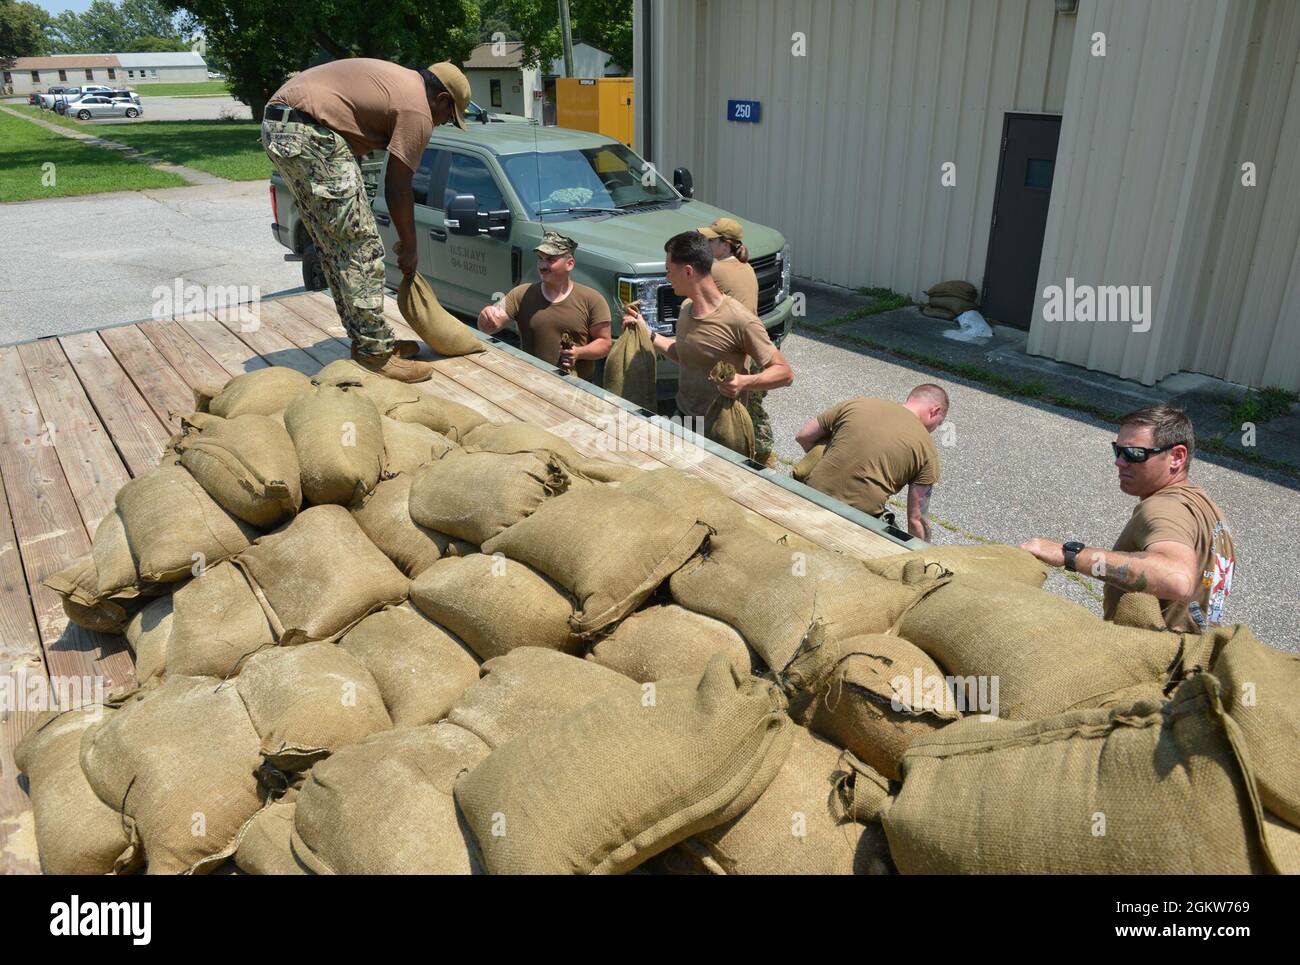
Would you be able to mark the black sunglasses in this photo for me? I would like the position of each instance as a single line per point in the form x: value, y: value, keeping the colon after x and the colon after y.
x: 1139, y: 453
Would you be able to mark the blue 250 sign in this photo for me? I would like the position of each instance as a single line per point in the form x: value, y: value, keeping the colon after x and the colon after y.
x: 748, y: 112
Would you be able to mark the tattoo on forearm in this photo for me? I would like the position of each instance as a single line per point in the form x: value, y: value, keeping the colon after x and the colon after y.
x: 1124, y: 577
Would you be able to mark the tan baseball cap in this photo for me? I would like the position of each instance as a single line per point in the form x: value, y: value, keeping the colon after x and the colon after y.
x: 554, y: 243
x: 457, y: 84
x: 728, y: 228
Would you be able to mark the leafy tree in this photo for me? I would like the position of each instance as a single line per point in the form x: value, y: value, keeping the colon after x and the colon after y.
x: 22, y: 30
x: 107, y: 27
x: 146, y: 45
x: 606, y: 24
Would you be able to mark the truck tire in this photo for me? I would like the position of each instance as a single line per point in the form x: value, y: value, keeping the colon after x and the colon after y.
x: 313, y: 275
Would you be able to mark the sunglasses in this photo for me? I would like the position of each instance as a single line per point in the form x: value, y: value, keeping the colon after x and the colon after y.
x: 1139, y: 453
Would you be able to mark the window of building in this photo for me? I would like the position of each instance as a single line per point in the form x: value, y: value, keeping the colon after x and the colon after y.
x: 36, y: 77
x: 152, y: 72
x: 90, y: 74
x: 469, y: 175
x: 63, y: 75
x: 130, y: 73
x: 496, y: 92
x: 9, y: 78
x: 112, y: 74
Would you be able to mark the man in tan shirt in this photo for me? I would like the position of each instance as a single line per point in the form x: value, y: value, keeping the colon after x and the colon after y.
x: 1176, y: 546
x: 711, y: 328
x: 875, y: 447
x: 557, y: 305
x: 314, y: 128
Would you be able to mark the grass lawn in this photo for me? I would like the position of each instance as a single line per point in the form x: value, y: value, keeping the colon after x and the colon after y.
x: 228, y: 149
x: 78, y: 168
x: 198, y: 88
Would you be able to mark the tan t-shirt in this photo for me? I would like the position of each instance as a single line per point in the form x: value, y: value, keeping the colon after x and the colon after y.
x: 1183, y: 513
x: 737, y: 279
x: 876, y: 448
x: 375, y: 105
x: 731, y: 333
x: 541, y: 322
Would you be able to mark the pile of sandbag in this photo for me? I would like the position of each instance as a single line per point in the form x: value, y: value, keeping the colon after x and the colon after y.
x: 949, y: 299
x: 377, y: 634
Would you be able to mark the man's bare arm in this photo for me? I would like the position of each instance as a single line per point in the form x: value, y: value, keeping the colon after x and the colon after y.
x: 1168, y: 570
x: 918, y: 510
x: 400, y: 200
x: 811, y: 434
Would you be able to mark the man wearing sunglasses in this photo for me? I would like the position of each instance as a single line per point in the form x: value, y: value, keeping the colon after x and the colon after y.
x: 1176, y: 546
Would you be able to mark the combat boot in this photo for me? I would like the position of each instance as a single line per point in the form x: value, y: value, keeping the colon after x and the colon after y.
x: 393, y: 366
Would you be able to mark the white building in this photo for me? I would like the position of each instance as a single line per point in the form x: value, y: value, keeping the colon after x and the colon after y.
x: 112, y: 70
x: 499, y: 82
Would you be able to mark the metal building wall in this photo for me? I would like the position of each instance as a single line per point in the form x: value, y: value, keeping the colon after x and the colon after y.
x: 846, y: 160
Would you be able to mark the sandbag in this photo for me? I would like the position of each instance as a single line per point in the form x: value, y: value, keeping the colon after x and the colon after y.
x: 951, y: 303
x: 659, y: 642
x: 264, y: 847
x: 78, y: 588
x: 191, y: 424
x: 774, y: 593
x: 260, y: 392
x: 475, y: 495
x: 512, y: 438
x: 494, y: 604
x: 687, y: 496
x: 956, y: 289
x: 607, y: 471
x: 630, y: 367
x: 385, y: 806
x: 727, y: 421
x: 339, y: 440
x: 409, y: 445
x: 420, y: 668
x: 1126, y: 790
x: 178, y: 762
x: 1048, y: 653
x: 403, y: 402
x: 609, y: 549
x: 804, y: 467
x: 529, y: 687
x: 318, y: 576
x: 174, y: 528
x: 1262, y: 696
x: 217, y: 623
x: 114, y: 565
x: 443, y: 332
x: 384, y: 515
x: 76, y: 832
x: 308, y: 701
x: 627, y: 776
x: 991, y: 561
x: 149, y: 635
x: 248, y: 465
x: 935, y: 311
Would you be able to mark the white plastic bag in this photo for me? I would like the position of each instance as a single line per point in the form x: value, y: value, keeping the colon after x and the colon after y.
x: 973, y: 327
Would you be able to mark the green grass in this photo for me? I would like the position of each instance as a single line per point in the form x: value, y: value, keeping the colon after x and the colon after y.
x: 1262, y: 405
x: 228, y: 149
x: 78, y: 168
x: 198, y: 88
x: 882, y: 300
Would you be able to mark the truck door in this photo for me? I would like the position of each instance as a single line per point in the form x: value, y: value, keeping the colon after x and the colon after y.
x: 466, y: 272
x: 426, y: 185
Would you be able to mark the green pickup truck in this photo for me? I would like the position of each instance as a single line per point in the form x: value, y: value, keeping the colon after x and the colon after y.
x: 485, y: 195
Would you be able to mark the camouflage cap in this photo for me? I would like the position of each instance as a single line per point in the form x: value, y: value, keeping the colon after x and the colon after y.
x: 554, y: 243
x: 728, y: 228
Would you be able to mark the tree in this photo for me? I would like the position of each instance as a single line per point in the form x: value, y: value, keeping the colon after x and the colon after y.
x: 606, y: 24
x: 107, y: 27
x: 149, y: 45
x: 22, y: 30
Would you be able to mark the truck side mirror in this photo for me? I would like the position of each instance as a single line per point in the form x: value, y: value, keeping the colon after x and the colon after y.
x: 461, y: 216
x: 683, y: 182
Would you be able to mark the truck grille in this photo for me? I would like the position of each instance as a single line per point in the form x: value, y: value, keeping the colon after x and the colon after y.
x: 766, y: 268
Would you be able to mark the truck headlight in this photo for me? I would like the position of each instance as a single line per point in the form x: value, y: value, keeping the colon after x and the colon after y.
x: 786, y: 272
x: 646, y: 291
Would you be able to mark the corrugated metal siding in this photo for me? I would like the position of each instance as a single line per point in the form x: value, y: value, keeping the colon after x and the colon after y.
x: 846, y: 161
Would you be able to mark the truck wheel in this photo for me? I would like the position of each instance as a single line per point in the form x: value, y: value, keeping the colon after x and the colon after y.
x: 83, y: 115
x: 313, y: 275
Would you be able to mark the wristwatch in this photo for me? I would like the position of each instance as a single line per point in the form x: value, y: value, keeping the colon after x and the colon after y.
x: 1072, y: 549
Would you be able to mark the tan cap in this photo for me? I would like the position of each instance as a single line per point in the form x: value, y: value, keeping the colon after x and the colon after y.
x: 728, y: 228
x: 457, y: 85
x: 554, y: 243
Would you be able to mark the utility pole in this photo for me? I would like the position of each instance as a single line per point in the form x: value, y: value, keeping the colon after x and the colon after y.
x: 566, y: 34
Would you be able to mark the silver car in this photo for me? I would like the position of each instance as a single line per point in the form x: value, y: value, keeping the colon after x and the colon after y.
x: 101, y: 105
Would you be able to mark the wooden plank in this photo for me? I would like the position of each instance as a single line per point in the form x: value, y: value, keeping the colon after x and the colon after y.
x: 91, y: 464
x: 161, y: 386
x: 295, y: 331
x: 274, y: 348
x: 192, y: 363
x: 230, y: 352
x: 135, y: 430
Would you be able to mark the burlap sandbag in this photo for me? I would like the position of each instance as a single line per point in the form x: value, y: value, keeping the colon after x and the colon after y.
x: 495, y: 604
x: 608, y: 471
x: 659, y: 642
x: 444, y: 333
x: 260, y: 392
x: 149, y: 635
x: 76, y: 832
x: 727, y: 421
x: 952, y: 304
x: 114, y: 565
x: 528, y: 688
x: 515, y: 437
x: 264, y: 845
x: 609, y: 549
x: 420, y: 668
x: 873, y: 695
x: 339, y: 440
x: 178, y: 762
x: 385, y: 806
x: 409, y: 445
x: 955, y: 289
x: 475, y: 495
x: 804, y: 467
x: 318, y: 576
x: 78, y: 588
x: 687, y: 496
x: 773, y: 593
x: 992, y: 561
x: 308, y: 701
x: 384, y: 515
x: 248, y: 465
x: 628, y: 775
x: 630, y: 367
x: 192, y: 424
x: 217, y: 624
x: 403, y: 402
x: 1283, y: 842
x: 175, y: 528
x: 1048, y: 653
x: 1128, y: 790
x: 1262, y: 695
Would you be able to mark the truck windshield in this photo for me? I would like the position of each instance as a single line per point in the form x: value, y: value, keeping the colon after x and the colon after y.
x: 605, y: 177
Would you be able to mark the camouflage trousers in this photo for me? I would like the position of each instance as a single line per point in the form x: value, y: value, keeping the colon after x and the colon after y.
x: 324, y: 178
x: 763, y: 441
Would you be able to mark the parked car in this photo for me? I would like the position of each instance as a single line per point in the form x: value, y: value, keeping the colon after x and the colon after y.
x: 51, y: 95
x: 99, y: 105
x: 128, y: 95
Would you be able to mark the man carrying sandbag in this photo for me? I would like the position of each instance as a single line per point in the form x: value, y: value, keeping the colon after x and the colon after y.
x: 875, y: 447
x: 314, y: 128
x: 1176, y: 545
x: 712, y: 328
x: 547, y: 310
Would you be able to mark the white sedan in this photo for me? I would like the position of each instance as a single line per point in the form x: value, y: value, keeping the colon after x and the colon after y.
x: 100, y: 105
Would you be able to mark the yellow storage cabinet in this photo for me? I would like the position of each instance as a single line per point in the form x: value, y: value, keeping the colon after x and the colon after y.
x: 600, y: 105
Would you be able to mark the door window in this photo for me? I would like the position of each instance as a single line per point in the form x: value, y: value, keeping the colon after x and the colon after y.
x: 429, y: 176
x: 470, y: 175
